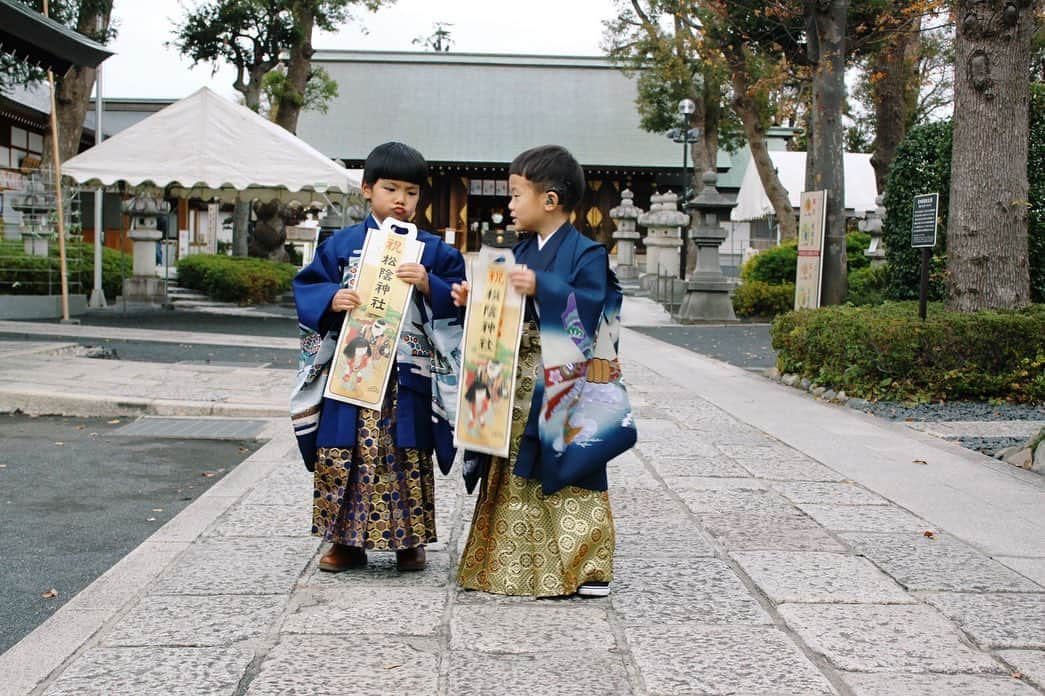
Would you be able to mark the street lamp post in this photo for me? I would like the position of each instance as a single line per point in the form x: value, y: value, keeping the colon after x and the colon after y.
x: 686, y: 136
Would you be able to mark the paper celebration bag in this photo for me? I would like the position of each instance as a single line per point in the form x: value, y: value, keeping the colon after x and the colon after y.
x: 492, y: 329
x: 366, y: 346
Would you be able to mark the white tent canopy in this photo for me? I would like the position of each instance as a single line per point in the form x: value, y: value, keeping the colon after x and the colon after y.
x: 205, y: 146
x: 753, y: 203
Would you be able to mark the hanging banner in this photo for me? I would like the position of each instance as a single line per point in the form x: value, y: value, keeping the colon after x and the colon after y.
x: 811, y: 227
x: 492, y: 329
x: 366, y: 346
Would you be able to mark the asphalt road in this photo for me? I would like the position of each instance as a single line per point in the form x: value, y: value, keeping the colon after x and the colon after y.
x: 75, y: 499
x: 744, y: 345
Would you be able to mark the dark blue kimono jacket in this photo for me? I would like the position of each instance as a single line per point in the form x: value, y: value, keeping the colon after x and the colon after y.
x: 314, y: 288
x: 580, y: 417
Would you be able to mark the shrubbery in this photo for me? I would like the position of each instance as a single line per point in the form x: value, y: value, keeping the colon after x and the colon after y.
x: 923, y: 165
x: 21, y: 274
x: 887, y: 352
x: 235, y: 279
x: 867, y: 285
x: 755, y: 298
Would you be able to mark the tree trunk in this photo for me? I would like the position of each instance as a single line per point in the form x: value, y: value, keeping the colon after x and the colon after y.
x: 894, y: 93
x: 73, y: 90
x: 755, y: 130
x: 987, y: 253
x: 829, y: 140
x: 293, y: 98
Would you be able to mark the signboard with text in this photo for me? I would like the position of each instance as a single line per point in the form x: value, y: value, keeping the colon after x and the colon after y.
x: 923, y: 220
x: 811, y: 226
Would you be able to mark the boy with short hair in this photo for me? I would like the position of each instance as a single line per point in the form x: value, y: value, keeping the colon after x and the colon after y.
x: 542, y: 523
x: 374, y: 479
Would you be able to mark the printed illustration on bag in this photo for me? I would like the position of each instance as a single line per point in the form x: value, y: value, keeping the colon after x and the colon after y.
x: 493, y: 327
x: 366, y: 347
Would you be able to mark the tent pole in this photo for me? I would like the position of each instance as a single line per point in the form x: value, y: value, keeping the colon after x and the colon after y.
x: 97, y: 294
x: 58, y: 193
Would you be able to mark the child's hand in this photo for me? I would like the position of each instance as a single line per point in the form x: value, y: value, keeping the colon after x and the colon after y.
x: 459, y: 293
x: 524, y: 280
x: 345, y: 300
x: 416, y: 275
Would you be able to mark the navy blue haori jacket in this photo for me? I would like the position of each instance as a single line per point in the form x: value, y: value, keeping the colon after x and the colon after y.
x: 580, y: 416
x: 314, y: 288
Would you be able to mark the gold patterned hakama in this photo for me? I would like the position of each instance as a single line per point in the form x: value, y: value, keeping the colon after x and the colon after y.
x: 375, y: 495
x: 523, y: 542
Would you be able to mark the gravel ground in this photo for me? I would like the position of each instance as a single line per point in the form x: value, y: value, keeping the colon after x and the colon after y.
x: 989, y: 445
x: 954, y: 411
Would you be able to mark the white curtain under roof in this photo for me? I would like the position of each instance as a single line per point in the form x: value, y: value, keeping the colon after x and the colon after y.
x: 206, y: 146
x: 753, y: 203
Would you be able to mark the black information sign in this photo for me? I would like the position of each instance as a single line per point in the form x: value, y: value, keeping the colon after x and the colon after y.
x: 923, y: 224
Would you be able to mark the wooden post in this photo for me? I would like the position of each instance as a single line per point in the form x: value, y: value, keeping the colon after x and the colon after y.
x: 63, y: 270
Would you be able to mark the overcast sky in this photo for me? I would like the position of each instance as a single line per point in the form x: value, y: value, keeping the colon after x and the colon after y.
x: 143, y: 67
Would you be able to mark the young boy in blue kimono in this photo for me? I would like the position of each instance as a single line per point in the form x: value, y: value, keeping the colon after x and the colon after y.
x: 542, y: 524
x: 374, y: 479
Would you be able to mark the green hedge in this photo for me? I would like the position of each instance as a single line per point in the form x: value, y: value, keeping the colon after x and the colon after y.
x: 887, y: 352
x: 756, y: 298
x: 778, y: 264
x: 37, y: 275
x: 867, y: 285
x: 923, y: 165
x: 235, y: 279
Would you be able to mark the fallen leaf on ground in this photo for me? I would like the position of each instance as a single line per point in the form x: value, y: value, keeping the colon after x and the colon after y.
x: 207, y: 474
x: 114, y: 421
x: 1017, y: 675
x: 392, y: 666
x: 920, y: 461
x: 243, y: 449
x: 50, y: 594
x: 929, y: 535
x: 81, y: 427
x: 157, y: 509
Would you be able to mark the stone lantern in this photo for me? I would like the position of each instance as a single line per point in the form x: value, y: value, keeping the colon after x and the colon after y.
x: 872, y: 225
x: 707, y: 292
x: 36, y: 206
x: 625, y: 215
x: 663, y: 225
x: 144, y: 211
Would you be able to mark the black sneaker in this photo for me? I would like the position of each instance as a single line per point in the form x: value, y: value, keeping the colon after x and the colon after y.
x: 594, y: 588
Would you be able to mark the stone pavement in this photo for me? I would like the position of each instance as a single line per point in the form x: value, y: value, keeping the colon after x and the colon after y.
x: 767, y: 544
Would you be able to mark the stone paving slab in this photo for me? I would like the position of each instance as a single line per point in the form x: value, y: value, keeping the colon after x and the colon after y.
x: 673, y: 537
x: 659, y: 592
x: 793, y: 531
x: 715, y: 502
x: 154, y: 672
x: 843, y: 493
x: 779, y: 463
x: 547, y: 674
x: 1032, y: 568
x: 814, y: 577
x: 643, y: 504
x: 265, y: 521
x: 537, y: 627
x: 995, y: 620
x: 381, y: 571
x: 865, y: 518
x: 719, y: 467
x: 885, y: 638
x: 361, y: 666
x: 192, y: 621
x: 1030, y: 663
x: 691, y: 659
x: 937, y: 685
x: 940, y: 563
x: 684, y: 446
x: 238, y: 566
x: 714, y: 483
x: 353, y: 611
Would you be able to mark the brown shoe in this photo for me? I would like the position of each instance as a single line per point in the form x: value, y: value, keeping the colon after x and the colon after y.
x: 411, y: 559
x: 341, y: 558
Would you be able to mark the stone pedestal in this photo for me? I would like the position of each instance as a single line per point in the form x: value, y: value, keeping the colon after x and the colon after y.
x: 663, y: 225
x: 625, y: 216
x: 708, y: 291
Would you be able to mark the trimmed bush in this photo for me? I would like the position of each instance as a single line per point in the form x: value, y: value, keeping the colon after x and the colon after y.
x: 234, y: 278
x: 887, y: 352
x: 867, y: 285
x: 923, y: 165
x: 777, y: 265
x: 36, y: 275
x: 755, y: 298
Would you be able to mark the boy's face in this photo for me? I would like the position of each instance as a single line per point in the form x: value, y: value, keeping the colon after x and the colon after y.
x: 528, y: 204
x: 392, y: 198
